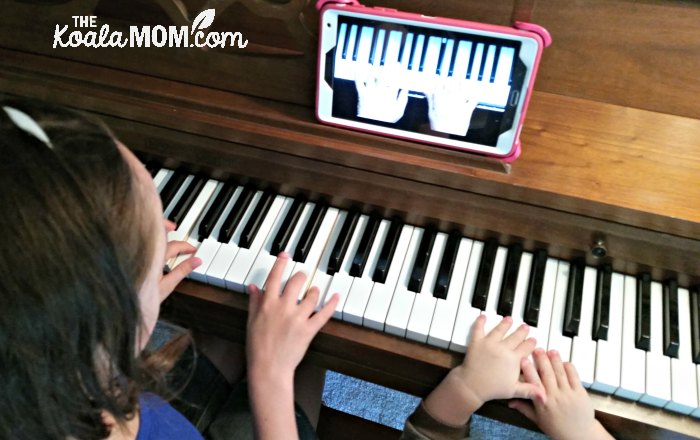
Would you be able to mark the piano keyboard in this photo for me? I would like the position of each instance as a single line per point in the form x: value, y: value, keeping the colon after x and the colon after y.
x: 415, y: 61
x: 633, y: 337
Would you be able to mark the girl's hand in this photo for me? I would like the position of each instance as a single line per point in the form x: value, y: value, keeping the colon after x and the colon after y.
x: 170, y: 280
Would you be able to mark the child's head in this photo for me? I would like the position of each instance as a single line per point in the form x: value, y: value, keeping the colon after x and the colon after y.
x: 82, y: 251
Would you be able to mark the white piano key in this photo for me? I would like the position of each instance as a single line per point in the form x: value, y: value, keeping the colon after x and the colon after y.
x: 633, y: 362
x: 361, y: 287
x: 608, y: 356
x: 294, y: 240
x: 432, y: 56
x: 319, y: 243
x: 393, y: 47
x: 466, y: 314
x: 488, y: 64
x: 696, y: 413
x: 499, y: 267
x: 446, y: 310
x: 365, y: 45
x: 342, y: 67
x: 380, y: 298
x: 464, y: 51
x: 521, y: 286
x: 541, y: 331
x: 341, y: 280
x: 424, y: 304
x: 376, y: 56
x: 557, y: 340
x: 504, y: 66
x: 447, y: 57
x: 321, y: 279
x: 684, y: 387
x: 178, y: 195
x: 352, y: 42
x: 161, y: 178
x: 658, y: 367
x: 417, y: 51
x: 238, y: 272
x: 583, y: 348
x: 402, y: 301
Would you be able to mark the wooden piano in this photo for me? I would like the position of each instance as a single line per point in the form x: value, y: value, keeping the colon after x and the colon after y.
x: 611, y: 148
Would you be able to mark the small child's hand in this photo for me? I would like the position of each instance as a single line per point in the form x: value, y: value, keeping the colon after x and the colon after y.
x: 567, y: 412
x: 491, y: 370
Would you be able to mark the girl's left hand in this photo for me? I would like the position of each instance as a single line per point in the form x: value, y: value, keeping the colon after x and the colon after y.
x: 170, y: 280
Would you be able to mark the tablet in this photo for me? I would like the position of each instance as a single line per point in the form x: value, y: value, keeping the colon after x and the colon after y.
x: 446, y: 82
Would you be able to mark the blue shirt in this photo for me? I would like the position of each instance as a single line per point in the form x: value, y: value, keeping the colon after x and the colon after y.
x: 160, y: 421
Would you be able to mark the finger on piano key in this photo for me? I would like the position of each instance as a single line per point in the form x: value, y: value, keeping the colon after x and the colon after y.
x: 238, y: 272
x: 294, y: 238
x: 233, y: 220
x: 574, y: 295
x: 557, y: 340
x: 658, y: 367
x: 420, y: 266
x: 670, y: 310
x: 684, y: 386
x: 359, y: 260
x: 257, y: 218
x: 608, y: 356
x: 540, y: 331
x: 402, y: 300
x: 444, y: 276
x: 301, y: 251
x: 176, y: 194
x: 361, y: 288
x: 695, y: 323
x: 445, y: 314
x: 161, y: 178
x: 499, y: 266
x: 534, y: 288
x: 171, y: 186
x: 643, y: 312
x: 216, y: 274
x: 510, y: 278
x: 483, y: 280
x: 466, y: 314
x: 382, y: 291
x: 289, y: 222
x: 583, y: 347
x: 633, y: 363
x: 342, y: 280
x: 216, y: 216
x: 322, y: 276
x: 518, y: 308
x: 185, y: 201
x: 424, y: 304
x: 601, y: 310
x: 462, y: 59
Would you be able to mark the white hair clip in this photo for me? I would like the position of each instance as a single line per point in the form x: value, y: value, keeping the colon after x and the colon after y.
x: 28, y: 124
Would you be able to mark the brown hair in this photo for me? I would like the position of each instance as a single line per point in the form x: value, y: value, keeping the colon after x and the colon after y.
x: 76, y: 249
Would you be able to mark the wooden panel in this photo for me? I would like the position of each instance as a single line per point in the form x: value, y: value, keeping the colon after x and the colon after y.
x: 337, y: 425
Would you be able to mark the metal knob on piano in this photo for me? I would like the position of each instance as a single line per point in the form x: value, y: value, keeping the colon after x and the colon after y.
x: 599, y: 249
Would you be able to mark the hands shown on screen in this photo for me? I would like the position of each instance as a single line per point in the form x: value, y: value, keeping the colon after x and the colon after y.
x: 451, y: 104
x: 379, y: 96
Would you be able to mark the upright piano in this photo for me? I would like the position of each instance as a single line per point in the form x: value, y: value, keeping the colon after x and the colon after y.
x: 593, y: 237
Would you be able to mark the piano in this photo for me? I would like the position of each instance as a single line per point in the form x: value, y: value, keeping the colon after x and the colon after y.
x: 593, y: 238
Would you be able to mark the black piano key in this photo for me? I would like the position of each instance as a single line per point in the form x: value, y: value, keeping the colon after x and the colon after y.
x: 507, y: 295
x: 495, y: 64
x: 206, y: 226
x: 386, y: 255
x: 482, y: 66
x: 413, y: 55
x: 642, y: 333
x: 234, y: 217
x: 442, y: 283
x: 373, y: 46
x: 287, y: 226
x: 187, y: 199
x: 454, y: 57
x: 534, y: 288
x: 357, y: 42
x: 671, y: 338
x: 483, y: 277
x: 695, y: 323
x: 308, y: 235
x: 423, y: 52
x: 344, y: 55
x: 256, y: 219
x: 574, y: 298
x: 471, y: 61
x: 601, y: 305
x: 340, y: 247
x: 386, y: 42
x: 425, y: 248
x: 172, y: 186
x: 441, y: 55
x: 402, y: 47
x: 360, y: 258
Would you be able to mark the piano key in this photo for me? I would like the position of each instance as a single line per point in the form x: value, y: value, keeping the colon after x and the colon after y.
x: 406, y: 50
x: 487, y: 64
x: 574, y: 295
x: 521, y: 285
x: 684, y: 387
x: 393, y: 48
x: 349, y: 40
x: 402, y: 300
x: 322, y: 276
x: 695, y: 323
x: 289, y: 223
x: 259, y: 215
x: 173, y: 184
x: 233, y: 220
x: 243, y: 262
x: 510, y: 278
x: 213, y: 214
x: 466, y: 314
x: 494, y: 66
x: 462, y: 59
x: 534, y: 289
x: 477, y: 56
x: 416, y: 52
x: 161, y: 178
x: 445, y: 314
x: 386, y: 255
x: 643, y: 312
x: 194, y: 211
x: 340, y: 248
x: 505, y: 65
x: 341, y: 49
x: 444, y: 56
x: 420, y: 265
x: 633, y: 361
x: 670, y: 314
x: 384, y: 48
x: 540, y: 331
x: 601, y: 311
x: 364, y: 45
x: 431, y: 56
x: 696, y: 413
x: 375, y: 48
x: 452, y: 59
x: 557, y: 339
x: 658, y: 367
x: 483, y: 280
x: 152, y: 168
x: 382, y: 292
x: 359, y: 292
x: 309, y: 233
x: 355, y: 39
x: 188, y: 197
x: 360, y: 258
x: 608, y: 355
x: 583, y: 348
x: 499, y: 267
x: 179, y: 192
x: 444, y: 276
x: 424, y: 303
x: 294, y: 239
